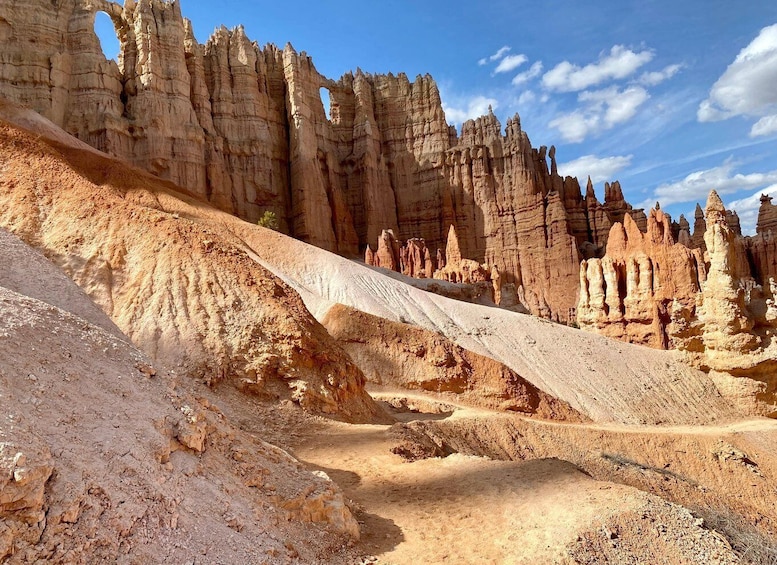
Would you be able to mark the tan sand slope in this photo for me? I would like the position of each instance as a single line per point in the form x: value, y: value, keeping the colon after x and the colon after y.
x: 605, y: 380
x: 187, y: 294
x: 101, y: 460
x: 26, y: 271
x: 393, y: 354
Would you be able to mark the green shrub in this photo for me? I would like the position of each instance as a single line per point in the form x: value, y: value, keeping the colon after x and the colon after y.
x: 268, y: 220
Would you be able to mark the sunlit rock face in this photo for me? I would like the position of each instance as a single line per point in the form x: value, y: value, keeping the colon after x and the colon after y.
x: 244, y: 127
x: 630, y: 293
x: 716, y: 304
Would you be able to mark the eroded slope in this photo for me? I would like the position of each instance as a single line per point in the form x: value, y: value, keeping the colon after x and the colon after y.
x: 188, y: 294
x: 102, y: 459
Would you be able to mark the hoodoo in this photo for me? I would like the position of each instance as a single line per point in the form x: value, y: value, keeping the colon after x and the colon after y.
x: 239, y: 327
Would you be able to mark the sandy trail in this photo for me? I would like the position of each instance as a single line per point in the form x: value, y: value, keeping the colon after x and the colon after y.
x: 461, y: 509
x: 460, y: 410
x: 465, y: 509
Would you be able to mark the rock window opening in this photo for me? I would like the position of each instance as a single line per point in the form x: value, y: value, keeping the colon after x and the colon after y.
x: 325, y: 100
x: 106, y: 35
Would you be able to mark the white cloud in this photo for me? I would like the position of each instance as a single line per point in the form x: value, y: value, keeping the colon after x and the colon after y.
x: 747, y: 208
x: 746, y: 88
x: 526, y: 97
x: 602, y: 110
x: 696, y: 186
x: 510, y: 63
x: 469, y: 109
x: 657, y: 77
x: 618, y: 105
x: 575, y: 126
x: 524, y: 77
x: 619, y: 63
x: 496, y: 56
x: 765, y: 126
x: 600, y: 169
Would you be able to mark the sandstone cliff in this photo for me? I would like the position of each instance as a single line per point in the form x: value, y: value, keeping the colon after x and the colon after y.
x: 189, y: 296
x: 630, y: 293
x: 245, y: 128
x: 716, y: 304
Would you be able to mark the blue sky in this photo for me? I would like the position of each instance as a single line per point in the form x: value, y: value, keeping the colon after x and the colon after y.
x: 672, y: 98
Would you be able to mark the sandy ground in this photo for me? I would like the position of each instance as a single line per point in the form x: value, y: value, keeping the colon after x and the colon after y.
x: 468, y: 509
x: 498, y: 498
x: 104, y: 460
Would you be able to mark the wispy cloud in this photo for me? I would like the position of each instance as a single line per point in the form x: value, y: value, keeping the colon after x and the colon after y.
x: 655, y: 78
x: 692, y: 157
x: 510, y: 63
x: 463, y: 109
x: 618, y: 105
x: 765, y: 126
x: 747, y: 208
x: 526, y: 97
x: 496, y: 56
x: 747, y: 88
x: 575, y: 126
x: 533, y: 72
x: 724, y: 178
x: 619, y: 63
x: 600, y: 169
x: 601, y: 110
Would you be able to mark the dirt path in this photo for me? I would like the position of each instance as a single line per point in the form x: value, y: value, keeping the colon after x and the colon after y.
x: 460, y: 410
x: 464, y: 509
x: 460, y: 509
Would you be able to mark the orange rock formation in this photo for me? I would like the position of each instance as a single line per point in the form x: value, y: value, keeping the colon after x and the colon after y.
x: 244, y: 127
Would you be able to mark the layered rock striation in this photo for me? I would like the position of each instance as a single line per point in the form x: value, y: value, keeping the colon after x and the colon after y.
x: 717, y: 303
x: 630, y: 292
x: 245, y: 127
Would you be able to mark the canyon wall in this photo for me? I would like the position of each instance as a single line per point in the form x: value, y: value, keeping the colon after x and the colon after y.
x: 716, y: 304
x: 630, y: 293
x: 244, y: 127
x: 651, y: 288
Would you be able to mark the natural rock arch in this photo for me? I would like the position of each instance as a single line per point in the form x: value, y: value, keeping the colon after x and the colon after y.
x: 107, y: 35
x: 326, y: 101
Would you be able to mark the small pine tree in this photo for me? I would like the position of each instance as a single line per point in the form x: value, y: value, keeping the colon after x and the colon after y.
x: 268, y: 220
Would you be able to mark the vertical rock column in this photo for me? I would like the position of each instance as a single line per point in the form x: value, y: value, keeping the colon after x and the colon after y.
x: 319, y: 210
x: 727, y: 324
x: 168, y: 138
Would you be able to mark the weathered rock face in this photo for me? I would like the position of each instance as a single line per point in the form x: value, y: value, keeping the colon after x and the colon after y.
x: 648, y: 289
x: 168, y: 281
x: 244, y: 127
x: 630, y: 292
x: 767, y: 216
x: 416, y: 259
x: 762, y: 248
x: 460, y: 270
x: 737, y: 313
x: 412, y: 259
x: 727, y: 322
x: 699, y: 227
x: 743, y: 270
